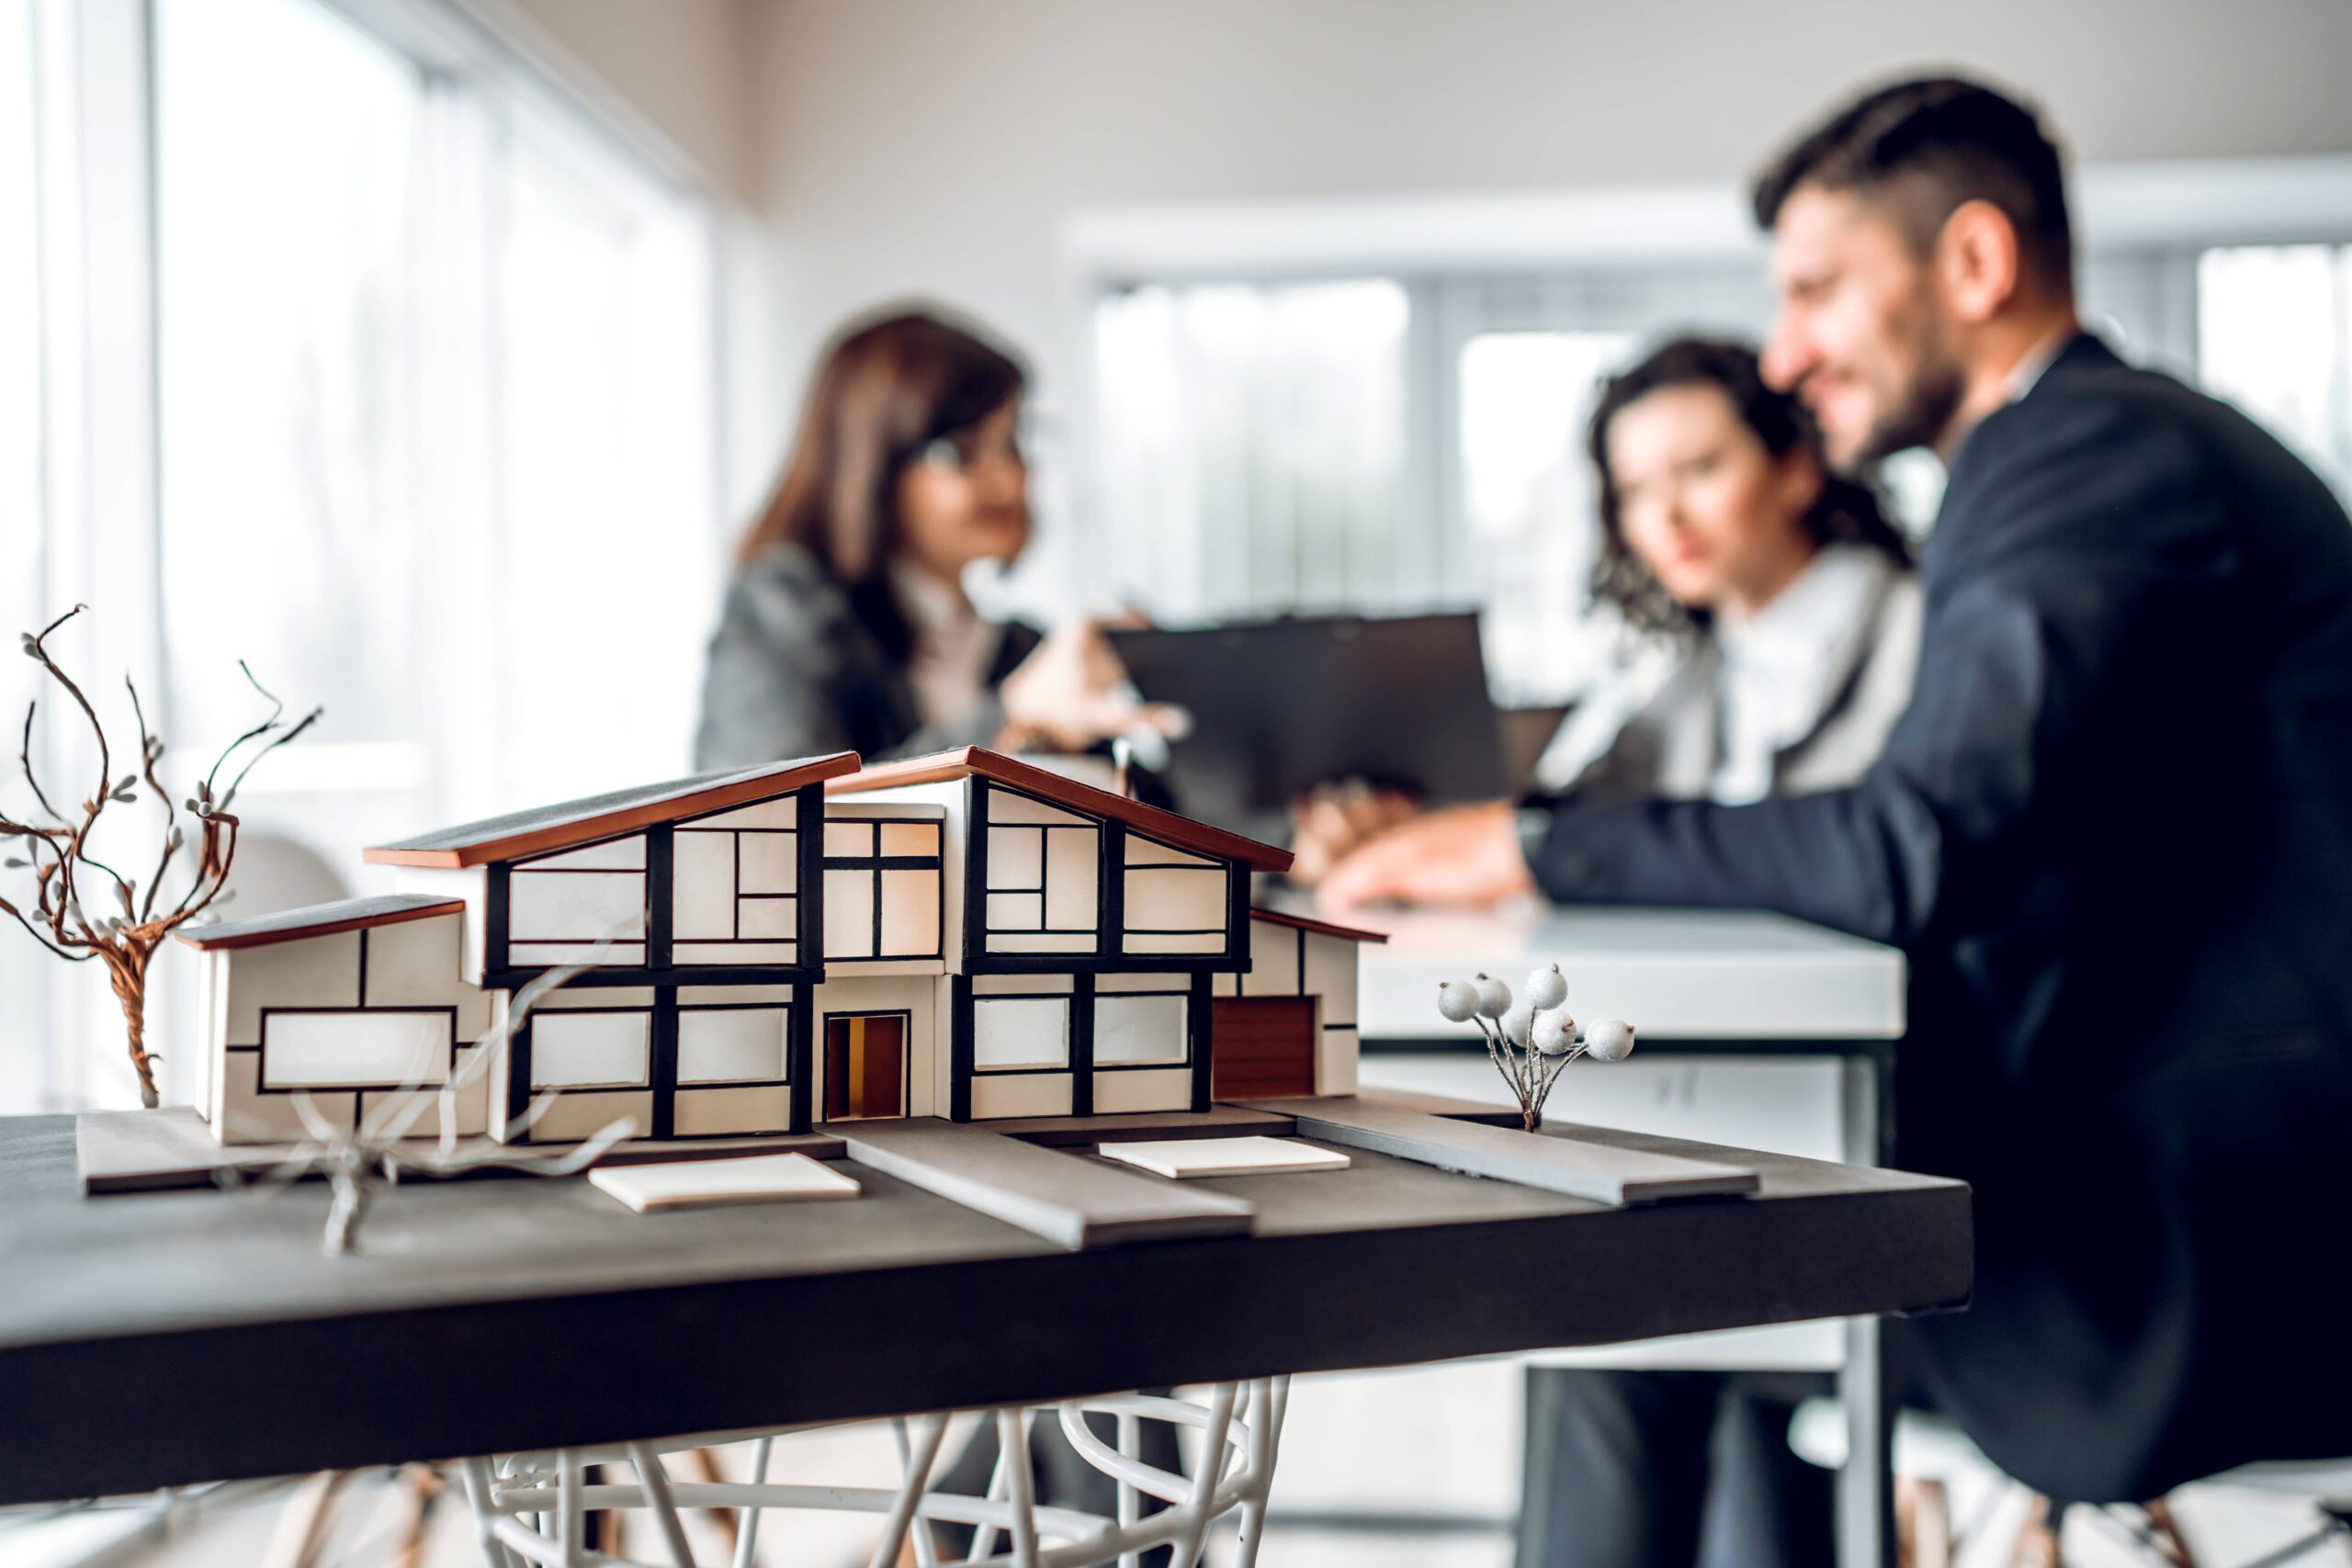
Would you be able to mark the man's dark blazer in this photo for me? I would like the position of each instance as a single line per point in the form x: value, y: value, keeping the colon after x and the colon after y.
x: 2113, y: 832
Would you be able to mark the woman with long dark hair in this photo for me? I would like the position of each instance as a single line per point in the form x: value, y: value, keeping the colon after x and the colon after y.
x: 1770, y: 618
x: 847, y: 627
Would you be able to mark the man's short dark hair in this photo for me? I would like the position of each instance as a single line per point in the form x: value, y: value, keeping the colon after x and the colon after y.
x: 1920, y: 149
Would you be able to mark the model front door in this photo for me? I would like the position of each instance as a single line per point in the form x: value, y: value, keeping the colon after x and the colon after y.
x: 865, y: 1064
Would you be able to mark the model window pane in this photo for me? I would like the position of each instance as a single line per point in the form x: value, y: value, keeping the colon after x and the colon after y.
x: 1016, y: 911
x: 611, y: 956
x: 575, y: 906
x: 1020, y: 1031
x: 698, y: 953
x: 1009, y: 806
x: 766, y: 813
x: 345, y: 1050
x: 705, y: 882
x: 731, y: 1045
x: 849, y: 839
x: 1172, y: 941
x: 1016, y: 858
x: 1168, y: 900
x: 776, y: 920
x: 849, y: 914
x: 1132, y: 1031
x: 619, y: 855
x: 911, y: 914
x: 1071, y: 863
x: 590, y: 1050
x: 1141, y: 850
x: 911, y: 838
x: 771, y: 862
x: 1048, y: 942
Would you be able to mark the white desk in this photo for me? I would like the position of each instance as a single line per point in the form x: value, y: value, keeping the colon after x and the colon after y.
x: 1756, y: 1030
x: 1680, y: 975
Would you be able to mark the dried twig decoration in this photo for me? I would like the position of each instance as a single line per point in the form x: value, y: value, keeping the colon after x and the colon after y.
x: 1530, y: 1041
x: 57, y: 851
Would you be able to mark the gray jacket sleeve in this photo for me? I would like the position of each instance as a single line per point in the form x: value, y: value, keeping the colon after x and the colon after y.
x: 793, y: 675
x: 769, y: 691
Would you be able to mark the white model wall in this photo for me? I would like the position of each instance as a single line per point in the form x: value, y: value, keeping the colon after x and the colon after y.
x: 410, y: 964
x: 1285, y: 961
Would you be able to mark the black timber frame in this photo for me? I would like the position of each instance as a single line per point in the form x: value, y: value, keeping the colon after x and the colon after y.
x: 664, y: 978
x: 1110, y: 919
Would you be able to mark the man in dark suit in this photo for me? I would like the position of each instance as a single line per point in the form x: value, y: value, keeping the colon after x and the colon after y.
x: 2113, y: 832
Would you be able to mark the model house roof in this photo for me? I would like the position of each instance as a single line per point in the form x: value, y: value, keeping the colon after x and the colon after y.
x: 1322, y: 928
x: 319, y: 919
x: 550, y: 827
x: 970, y: 761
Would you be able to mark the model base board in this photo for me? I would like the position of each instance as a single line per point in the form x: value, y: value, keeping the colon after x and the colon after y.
x: 1187, y: 1158
x: 654, y: 1186
x: 1554, y: 1159
x: 1058, y: 1194
x: 150, y: 1151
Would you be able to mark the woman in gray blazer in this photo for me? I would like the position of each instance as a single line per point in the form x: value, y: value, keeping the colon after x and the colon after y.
x: 847, y: 627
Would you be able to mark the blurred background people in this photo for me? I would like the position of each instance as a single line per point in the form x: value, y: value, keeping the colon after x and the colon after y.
x: 1771, y: 613
x: 847, y: 626
x: 1772, y: 622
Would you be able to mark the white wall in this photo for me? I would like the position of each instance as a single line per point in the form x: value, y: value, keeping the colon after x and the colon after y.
x: 924, y: 146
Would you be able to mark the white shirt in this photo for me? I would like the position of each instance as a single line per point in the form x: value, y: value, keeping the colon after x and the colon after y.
x: 1786, y: 664
x: 952, y: 645
x: 2027, y: 372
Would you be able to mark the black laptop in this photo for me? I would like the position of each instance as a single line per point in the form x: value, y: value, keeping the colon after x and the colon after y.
x: 1280, y: 705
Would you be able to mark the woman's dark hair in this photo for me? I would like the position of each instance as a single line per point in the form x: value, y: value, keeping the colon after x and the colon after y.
x: 1847, y: 510
x: 885, y: 387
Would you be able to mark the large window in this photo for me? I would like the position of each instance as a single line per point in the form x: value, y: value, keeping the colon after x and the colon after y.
x: 1398, y: 443
x: 24, y: 968
x: 434, y: 407
x: 339, y: 339
x: 2274, y: 336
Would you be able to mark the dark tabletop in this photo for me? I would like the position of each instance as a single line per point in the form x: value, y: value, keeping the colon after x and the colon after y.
x: 163, y: 1338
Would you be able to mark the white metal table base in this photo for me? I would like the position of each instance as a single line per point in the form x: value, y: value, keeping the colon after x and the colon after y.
x: 533, y: 1508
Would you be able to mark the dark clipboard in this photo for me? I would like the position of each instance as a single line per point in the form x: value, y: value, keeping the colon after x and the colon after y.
x: 1280, y: 705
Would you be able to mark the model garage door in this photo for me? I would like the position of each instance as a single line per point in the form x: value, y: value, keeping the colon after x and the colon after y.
x: 1261, y: 1048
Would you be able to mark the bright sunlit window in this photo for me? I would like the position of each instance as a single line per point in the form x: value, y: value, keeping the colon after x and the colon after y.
x: 436, y: 427
x: 1527, y: 494
x: 23, y: 971
x: 1253, y: 448
x: 2274, y: 336
x: 288, y: 306
x: 432, y: 381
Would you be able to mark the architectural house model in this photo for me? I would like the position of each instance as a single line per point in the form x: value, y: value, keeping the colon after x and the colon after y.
x: 963, y: 936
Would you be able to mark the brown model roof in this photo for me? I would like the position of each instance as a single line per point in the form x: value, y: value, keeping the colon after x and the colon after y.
x: 550, y: 827
x: 1166, y: 826
x: 319, y: 919
x: 1324, y: 928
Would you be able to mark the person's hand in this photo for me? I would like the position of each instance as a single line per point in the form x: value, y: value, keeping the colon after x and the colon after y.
x: 1464, y: 855
x: 1329, y: 821
x: 1071, y: 692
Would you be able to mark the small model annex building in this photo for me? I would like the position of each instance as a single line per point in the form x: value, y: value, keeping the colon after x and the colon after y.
x: 964, y: 936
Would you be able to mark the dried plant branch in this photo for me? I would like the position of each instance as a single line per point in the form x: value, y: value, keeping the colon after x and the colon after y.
x: 125, y: 943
